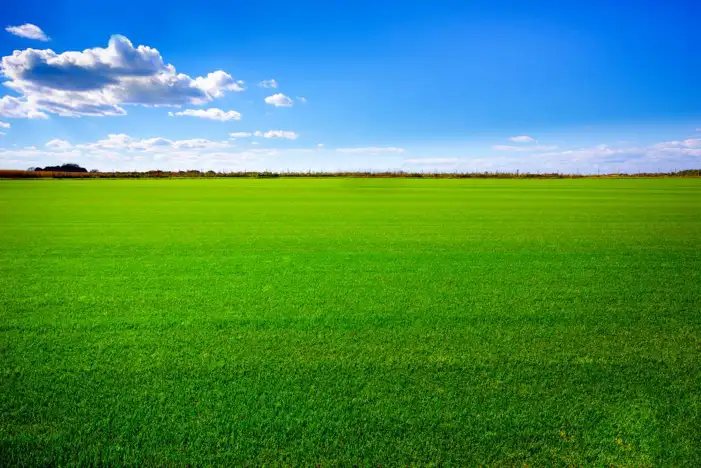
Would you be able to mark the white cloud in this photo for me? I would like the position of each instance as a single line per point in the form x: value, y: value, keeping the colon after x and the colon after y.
x: 595, y: 152
x: 284, y: 134
x: 65, y: 103
x: 268, y: 84
x: 17, y: 108
x: 58, y: 144
x: 270, y: 134
x: 524, y: 148
x: 123, y: 152
x: 666, y: 156
x: 301, y: 99
x: 199, y: 143
x: 279, y: 100
x: 99, y: 81
x: 522, y: 139
x: 320, y: 145
x: 217, y: 82
x: 688, y: 143
x: 29, y: 31
x: 212, y: 114
x: 4, y: 125
x: 684, y: 148
x: 371, y: 150
x: 123, y: 142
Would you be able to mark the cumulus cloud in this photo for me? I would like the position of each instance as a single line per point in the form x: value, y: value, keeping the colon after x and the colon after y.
x: 217, y: 82
x: 522, y: 139
x: 301, y: 99
x: 212, y: 114
x: 524, y: 148
x: 240, y: 134
x: 20, y: 108
x: 4, y: 125
x: 29, y: 31
x: 371, y: 150
x: 268, y: 84
x: 99, y: 81
x: 279, y: 100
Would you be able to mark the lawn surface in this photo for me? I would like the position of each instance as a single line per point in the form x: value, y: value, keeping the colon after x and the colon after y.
x: 455, y: 322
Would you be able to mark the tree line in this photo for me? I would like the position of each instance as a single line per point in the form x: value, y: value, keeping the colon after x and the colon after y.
x: 75, y: 171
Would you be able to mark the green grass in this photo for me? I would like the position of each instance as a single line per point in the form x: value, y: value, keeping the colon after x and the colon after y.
x: 223, y: 322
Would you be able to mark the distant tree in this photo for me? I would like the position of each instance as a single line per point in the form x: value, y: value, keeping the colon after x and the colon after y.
x: 94, y: 171
x: 70, y: 167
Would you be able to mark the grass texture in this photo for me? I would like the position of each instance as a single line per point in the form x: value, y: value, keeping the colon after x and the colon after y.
x: 340, y: 322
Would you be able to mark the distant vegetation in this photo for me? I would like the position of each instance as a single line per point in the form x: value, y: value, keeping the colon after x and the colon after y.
x: 62, y: 168
x: 75, y: 171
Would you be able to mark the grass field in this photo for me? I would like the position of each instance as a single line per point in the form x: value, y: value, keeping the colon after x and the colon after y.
x: 212, y: 322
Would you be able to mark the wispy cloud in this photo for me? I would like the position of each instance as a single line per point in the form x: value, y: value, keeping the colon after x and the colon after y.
x: 124, y: 152
x: 371, y: 150
x: 688, y: 143
x: 524, y: 148
x: 28, y: 31
x: 58, y: 144
x: 268, y: 84
x: 212, y: 114
x: 522, y: 139
x: 270, y: 134
x: 283, y: 134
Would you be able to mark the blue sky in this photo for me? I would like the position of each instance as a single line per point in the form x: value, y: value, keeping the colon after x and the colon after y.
x: 501, y: 85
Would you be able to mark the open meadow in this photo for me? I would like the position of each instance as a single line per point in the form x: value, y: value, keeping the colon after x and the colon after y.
x: 350, y: 321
